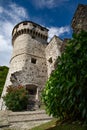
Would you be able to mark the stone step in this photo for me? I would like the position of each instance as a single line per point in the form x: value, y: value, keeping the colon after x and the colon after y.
x: 26, y: 125
x: 3, y: 119
x: 24, y: 118
x: 26, y: 112
x: 28, y: 119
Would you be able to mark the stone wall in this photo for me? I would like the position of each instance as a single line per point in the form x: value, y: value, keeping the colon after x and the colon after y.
x: 79, y: 21
x: 52, y: 53
x: 25, y: 50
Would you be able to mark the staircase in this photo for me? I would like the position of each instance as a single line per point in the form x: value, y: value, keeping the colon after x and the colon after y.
x: 27, y: 120
x: 3, y: 119
x: 32, y: 103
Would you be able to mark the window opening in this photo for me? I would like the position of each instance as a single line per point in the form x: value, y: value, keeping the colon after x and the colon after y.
x: 33, y: 60
x: 50, y: 60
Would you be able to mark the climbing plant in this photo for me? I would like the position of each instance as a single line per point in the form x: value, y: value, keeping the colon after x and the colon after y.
x: 65, y: 93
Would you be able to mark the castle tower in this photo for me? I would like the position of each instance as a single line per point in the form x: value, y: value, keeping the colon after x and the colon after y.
x: 28, y: 62
x: 79, y: 21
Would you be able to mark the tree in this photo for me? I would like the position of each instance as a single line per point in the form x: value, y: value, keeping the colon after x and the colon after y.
x: 16, y: 98
x: 65, y: 94
x: 3, y: 74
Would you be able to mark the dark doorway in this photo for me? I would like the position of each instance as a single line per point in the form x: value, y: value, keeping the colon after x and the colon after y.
x: 32, y: 90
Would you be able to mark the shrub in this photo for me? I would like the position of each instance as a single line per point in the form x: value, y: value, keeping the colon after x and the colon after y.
x: 65, y: 94
x: 16, y: 98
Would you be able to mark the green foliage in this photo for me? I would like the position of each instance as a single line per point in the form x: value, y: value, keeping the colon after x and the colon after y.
x: 3, y: 74
x: 65, y: 94
x: 16, y: 98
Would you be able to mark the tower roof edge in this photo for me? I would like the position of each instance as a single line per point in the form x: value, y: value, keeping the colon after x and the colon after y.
x: 29, y: 22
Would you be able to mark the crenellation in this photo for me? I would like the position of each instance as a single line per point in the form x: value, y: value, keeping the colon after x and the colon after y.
x: 33, y: 33
x: 31, y: 26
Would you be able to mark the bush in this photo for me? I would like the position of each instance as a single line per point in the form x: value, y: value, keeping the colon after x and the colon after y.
x: 65, y: 94
x: 16, y: 98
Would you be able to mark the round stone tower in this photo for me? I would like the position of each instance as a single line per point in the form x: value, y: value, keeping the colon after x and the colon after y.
x: 28, y: 62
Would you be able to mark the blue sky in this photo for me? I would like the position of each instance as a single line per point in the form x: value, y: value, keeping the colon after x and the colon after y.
x: 56, y: 15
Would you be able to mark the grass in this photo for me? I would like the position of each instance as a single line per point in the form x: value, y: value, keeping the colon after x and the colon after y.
x: 42, y: 107
x: 56, y: 125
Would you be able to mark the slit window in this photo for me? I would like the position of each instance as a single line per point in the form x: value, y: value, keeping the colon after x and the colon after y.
x: 50, y: 60
x: 33, y: 60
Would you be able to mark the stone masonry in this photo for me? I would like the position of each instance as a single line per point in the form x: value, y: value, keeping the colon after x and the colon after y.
x: 33, y: 58
x: 79, y: 21
x: 30, y: 64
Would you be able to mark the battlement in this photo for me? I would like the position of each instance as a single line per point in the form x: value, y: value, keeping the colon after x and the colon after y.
x: 79, y: 21
x: 31, y: 28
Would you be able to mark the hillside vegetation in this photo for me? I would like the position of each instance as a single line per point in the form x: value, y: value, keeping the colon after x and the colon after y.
x: 3, y: 74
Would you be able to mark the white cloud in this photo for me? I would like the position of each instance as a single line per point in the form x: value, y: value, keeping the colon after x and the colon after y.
x: 1, y: 9
x: 4, y: 47
x: 48, y: 3
x: 5, y: 51
x: 16, y: 12
x: 9, y: 17
x: 58, y: 31
x: 20, y: 11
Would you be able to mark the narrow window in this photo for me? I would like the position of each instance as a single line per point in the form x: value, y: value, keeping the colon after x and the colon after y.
x: 33, y: 60
x: 50, y: 60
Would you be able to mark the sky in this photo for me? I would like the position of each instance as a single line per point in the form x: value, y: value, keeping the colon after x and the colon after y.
x: 56, y: 15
